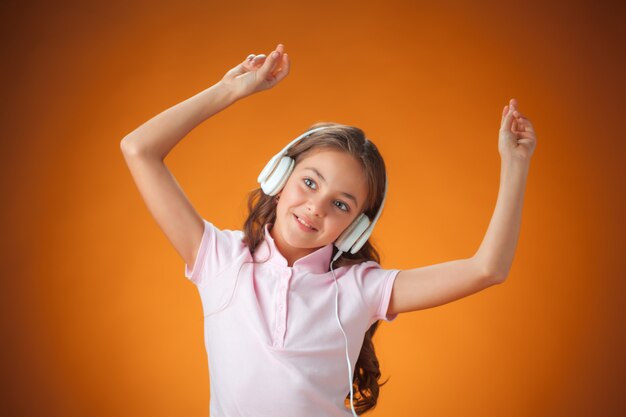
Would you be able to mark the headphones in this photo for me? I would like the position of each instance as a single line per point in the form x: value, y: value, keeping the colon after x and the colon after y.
x: 275, y: 175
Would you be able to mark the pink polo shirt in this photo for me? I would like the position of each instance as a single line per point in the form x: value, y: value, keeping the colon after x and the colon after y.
x: 273, y: 343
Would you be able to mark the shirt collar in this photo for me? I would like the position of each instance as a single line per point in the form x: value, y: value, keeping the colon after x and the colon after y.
x: 317, y: 262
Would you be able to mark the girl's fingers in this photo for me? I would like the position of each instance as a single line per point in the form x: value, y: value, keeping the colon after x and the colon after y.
x: 282, y: 72
x: 507, y: 120
x: 240, y: 68
x: 524, y: 128
x: 270, y: 64
x: 252, y: 61
x: 522, y: 125
x: 525, y: 123
x: 510, y: 108
x: 515, y: 122
x: 258, y: 59
x: 505, y: 110
x: 282, y: 65
x: 528, y: 127
x: 520, y: 122
x: 269, y: 68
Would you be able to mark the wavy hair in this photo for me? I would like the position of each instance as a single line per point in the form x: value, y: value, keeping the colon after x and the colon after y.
x: 262, y: 210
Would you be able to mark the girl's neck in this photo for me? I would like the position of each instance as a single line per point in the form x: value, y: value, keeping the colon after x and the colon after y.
x: 290, y: 253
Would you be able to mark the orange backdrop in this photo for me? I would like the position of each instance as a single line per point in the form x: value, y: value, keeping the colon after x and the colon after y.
x: 97, y: 316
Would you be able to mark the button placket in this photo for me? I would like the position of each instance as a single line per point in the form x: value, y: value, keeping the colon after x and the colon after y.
x: 281, y: 309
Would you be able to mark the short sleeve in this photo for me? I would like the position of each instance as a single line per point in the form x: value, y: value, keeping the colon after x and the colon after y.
x: 376, y: 286
x: 218, y: 248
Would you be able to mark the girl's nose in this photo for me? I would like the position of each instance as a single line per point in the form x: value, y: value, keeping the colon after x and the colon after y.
x: 315, y: 208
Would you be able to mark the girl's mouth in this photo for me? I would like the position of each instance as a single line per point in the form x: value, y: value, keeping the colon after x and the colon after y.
x: 303, y: 226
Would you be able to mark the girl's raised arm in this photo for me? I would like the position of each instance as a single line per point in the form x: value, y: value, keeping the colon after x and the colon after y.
x: 433, y: 285
x: 146, y: 147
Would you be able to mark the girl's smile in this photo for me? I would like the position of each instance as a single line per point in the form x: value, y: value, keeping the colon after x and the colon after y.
x: 305, y: 224
x: 325, y: 192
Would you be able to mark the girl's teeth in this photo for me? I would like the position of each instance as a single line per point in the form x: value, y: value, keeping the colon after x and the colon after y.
x: 300, y: 220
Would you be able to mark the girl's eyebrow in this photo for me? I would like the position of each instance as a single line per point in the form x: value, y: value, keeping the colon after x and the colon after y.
x: 350, y: 196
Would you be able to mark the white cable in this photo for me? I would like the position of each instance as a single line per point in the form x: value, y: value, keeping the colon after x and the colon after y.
x: 344, y: 334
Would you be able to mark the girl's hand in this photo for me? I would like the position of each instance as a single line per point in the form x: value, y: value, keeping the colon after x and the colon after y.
x: 257, y: 73
x: 517, y: 135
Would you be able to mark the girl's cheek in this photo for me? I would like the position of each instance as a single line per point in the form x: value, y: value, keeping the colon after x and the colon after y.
x: 300, y: 193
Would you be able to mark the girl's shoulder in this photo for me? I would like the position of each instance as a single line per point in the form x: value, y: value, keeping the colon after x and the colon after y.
x: 219, y: 248
x: 223, y: 242
x: 360, y: 271
x: 357, y: 266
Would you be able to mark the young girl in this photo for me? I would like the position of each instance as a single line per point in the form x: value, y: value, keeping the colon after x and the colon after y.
x: 292, y: 301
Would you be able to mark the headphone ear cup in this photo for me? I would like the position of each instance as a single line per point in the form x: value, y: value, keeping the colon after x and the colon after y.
x: 275, y: 174
x: 346, y: 240
x: 269, y: 167
x: 362, y: 239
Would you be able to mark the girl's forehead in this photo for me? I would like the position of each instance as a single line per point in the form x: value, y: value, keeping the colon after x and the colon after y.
x: 334, y: 161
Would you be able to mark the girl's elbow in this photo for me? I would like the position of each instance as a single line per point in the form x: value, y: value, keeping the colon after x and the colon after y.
x: 499, y: 278
x: 126, y: 145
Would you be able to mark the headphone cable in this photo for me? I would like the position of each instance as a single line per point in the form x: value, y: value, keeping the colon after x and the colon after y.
x: 339, y: 252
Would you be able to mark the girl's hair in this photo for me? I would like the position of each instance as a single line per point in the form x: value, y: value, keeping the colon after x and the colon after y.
x: 262, y: 210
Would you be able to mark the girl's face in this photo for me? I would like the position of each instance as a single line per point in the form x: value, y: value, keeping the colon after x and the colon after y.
x: 326, y: 190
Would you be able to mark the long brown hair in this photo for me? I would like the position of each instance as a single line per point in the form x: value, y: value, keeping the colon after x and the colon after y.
x: 262, y: 210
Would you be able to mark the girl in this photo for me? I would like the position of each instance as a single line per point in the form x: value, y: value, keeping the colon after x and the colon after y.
x: 292, y: 301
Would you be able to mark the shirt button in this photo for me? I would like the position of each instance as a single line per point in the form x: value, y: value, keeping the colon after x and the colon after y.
x: 280, y: 307
x: 280, y: 328
x: 276, y: 343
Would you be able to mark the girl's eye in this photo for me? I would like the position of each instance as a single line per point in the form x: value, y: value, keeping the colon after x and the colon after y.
x: 310, y: 180
x: 345, y: 207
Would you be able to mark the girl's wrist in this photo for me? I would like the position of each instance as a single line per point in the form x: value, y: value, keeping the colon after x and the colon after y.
x: 516, y: 162
x: 227, y: 91
x: 515, y: 165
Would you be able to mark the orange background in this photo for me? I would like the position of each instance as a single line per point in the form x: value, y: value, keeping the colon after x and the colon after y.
x: 97, y: 316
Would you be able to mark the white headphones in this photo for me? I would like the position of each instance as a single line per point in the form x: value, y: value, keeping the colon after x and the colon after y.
x: 277, y: 172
